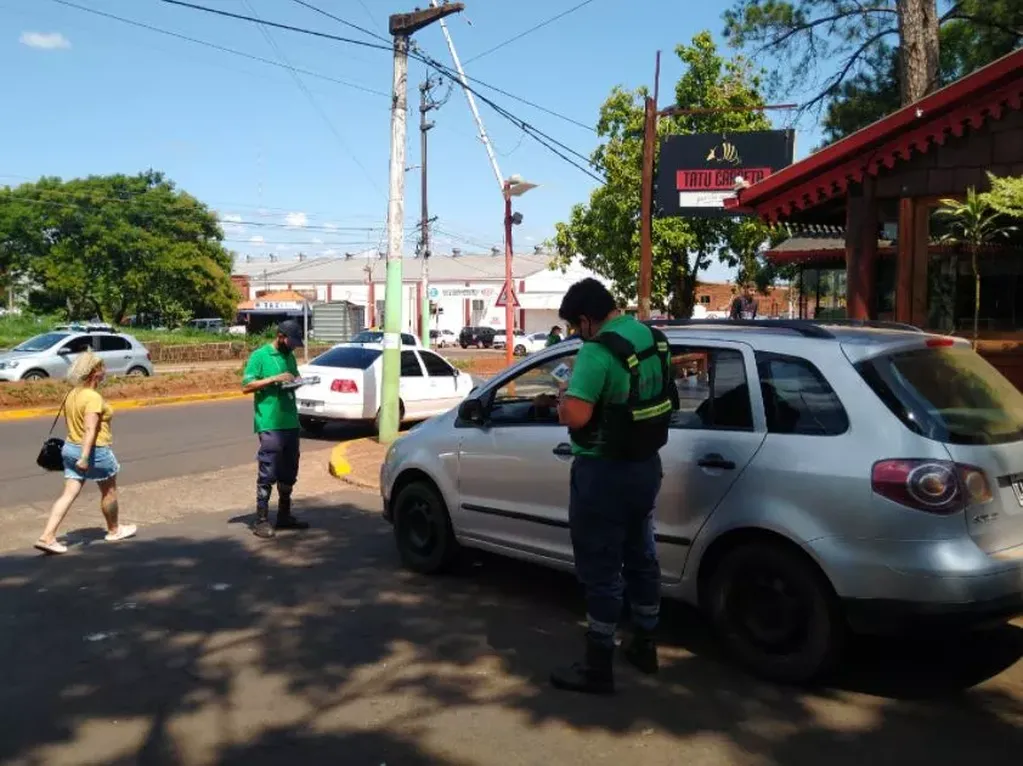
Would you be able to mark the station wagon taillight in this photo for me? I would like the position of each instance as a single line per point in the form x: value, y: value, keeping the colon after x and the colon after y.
x: 343, y: 386
x: 934, y: 486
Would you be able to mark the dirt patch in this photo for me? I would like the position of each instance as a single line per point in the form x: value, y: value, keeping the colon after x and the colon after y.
x: 45, y: 393
x: 188, y: 353
x: 484, y: 366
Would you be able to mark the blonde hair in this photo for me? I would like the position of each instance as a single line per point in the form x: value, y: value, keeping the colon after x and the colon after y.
x: 83, y: 368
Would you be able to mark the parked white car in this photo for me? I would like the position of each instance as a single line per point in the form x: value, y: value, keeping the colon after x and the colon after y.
x: 443, y: 338
x: 350, y: 381
x: 376, y: 337
x: 524, y: 344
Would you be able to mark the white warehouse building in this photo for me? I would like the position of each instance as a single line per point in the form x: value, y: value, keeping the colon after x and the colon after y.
x: 464, y: 289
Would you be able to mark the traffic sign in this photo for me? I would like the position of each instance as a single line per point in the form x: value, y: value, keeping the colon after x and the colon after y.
x: 502, y: 299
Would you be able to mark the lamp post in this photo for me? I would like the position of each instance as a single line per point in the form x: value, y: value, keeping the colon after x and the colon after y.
x: 513, y: 187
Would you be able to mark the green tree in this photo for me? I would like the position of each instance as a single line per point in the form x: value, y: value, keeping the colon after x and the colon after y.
x: 966, y: 45
x: 1006, y: 195
x: 974, y: 224
x: 874, y: 49
x: 606, y: 231
x: 109, y: 245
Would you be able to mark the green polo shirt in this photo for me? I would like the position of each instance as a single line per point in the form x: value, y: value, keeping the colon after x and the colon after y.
x: 598, y: 377
x: 275, y: 408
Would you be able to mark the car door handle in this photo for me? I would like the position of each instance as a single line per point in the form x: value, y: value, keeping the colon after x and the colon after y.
x: 563, y: 450
x: 716, y: 461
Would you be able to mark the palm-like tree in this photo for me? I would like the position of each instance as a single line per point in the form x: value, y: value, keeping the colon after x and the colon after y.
x: 975, y: 224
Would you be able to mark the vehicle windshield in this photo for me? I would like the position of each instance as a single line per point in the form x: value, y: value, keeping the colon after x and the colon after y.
x: 42, y: 342
x: 348, y: 357
x: 951, y: 395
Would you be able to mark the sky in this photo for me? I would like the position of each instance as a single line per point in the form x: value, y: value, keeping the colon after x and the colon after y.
x: 298, y: 163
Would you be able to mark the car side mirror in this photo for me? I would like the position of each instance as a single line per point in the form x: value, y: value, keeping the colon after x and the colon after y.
x: 471, y: 411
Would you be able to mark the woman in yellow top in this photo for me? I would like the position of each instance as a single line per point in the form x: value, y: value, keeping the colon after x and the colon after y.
x: 87, y: 453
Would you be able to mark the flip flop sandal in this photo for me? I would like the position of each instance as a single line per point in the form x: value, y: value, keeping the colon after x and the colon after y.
x: 53, y: 549
x: 123, y: 533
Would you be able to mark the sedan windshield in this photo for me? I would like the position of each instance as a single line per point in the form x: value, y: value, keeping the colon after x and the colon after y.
x: 42, y: 342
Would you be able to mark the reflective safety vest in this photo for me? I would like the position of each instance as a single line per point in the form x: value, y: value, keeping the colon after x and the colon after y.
x: 635, y: 429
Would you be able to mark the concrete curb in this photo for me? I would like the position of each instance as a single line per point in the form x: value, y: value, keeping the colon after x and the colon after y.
x: 340, y: 468
x: 126, y: 404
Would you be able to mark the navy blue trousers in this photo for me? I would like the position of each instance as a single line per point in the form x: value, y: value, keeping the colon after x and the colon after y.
x: 278, y: 459
x: 611, y: 517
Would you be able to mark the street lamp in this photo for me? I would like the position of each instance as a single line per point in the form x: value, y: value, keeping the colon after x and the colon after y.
x: 513, y: 187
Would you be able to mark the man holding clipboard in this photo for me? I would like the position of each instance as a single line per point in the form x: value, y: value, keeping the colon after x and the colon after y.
x: 271, y: 376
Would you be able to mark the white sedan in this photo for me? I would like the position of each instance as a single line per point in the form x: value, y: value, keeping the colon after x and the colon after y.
x: 350, y: 382
x: 524, y: 344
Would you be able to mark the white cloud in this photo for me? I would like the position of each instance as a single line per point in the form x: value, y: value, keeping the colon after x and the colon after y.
x: 230, y: 217
x: 317, y: 241
x: 296, y: 220
x: 47, y: 41
x: 330, y: 252
x: 231, y: 223
x: 330, y: 226
x: 257, y: 240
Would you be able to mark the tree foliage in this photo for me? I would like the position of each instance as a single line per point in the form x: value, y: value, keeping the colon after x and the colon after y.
x: 850, y: 51
x: 975, y: 223
x: 606, y: 231
x: 107, y: 246
x: 966, y: 45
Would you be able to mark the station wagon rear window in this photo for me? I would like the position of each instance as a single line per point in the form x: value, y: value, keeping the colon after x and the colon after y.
x: 948, y: 394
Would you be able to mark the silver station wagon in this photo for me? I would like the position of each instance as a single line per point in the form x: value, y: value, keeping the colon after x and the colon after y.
x: 818, y: 478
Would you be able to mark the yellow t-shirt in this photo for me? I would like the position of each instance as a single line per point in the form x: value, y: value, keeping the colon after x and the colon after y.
x: 81, y: 402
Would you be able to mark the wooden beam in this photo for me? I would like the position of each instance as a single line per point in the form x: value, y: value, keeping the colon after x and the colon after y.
x: 861, y: 221
x: 904, y: 263
x: 921, y: 262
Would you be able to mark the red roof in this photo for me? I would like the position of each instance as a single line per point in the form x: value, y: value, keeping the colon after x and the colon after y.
x: 970, y: 101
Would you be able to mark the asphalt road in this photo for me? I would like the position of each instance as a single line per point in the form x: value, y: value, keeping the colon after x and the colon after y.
x: 156, y: 443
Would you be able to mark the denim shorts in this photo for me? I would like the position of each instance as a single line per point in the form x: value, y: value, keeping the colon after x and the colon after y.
x: 103, y: 464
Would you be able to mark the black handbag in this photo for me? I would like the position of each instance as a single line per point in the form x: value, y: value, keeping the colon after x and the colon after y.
x: 50, y: 457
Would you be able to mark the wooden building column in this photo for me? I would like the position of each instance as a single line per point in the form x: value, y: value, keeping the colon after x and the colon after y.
x: 861, y: 224
x: 911, y: 268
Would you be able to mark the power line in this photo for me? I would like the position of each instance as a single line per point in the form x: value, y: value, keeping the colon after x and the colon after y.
x: 312, y: 100
x: 217, y: 47
x: 339, y: 20
x: 534, y: 132
x: 529, y: 31
x: 366, y: 44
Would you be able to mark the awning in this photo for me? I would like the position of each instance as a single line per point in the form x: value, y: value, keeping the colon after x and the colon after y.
x: 540, y: 301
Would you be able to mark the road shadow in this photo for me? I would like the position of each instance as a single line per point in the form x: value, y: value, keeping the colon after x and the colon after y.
x: 208, y: 646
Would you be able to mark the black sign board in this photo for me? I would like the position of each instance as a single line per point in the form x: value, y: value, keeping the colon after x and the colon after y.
x: 696, y: 173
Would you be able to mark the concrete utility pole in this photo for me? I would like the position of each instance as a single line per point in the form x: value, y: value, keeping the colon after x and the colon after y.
x: 424, y: 242
x: 402, y: 26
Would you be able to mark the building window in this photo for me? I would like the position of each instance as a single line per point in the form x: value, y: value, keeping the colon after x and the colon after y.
x: 479, y: 307
x: 379, y: 314
x: 705, y: 300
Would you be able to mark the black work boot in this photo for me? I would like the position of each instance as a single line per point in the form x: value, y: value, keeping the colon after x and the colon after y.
x: 284, y: 518
x: 641, y: 651
x: 594, y: 675
x: 262, y: 526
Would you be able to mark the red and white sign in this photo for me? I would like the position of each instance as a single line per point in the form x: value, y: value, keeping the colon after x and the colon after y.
x: 502, y: 299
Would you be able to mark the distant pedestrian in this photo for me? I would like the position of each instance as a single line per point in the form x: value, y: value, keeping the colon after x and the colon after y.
x: 554, y: 336
x: 745, y: 305
x: 266, y: 376
x: 87, y: 454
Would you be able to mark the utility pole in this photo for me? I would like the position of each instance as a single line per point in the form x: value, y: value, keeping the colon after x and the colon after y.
x: 424, y: 241
x: 402, y: 26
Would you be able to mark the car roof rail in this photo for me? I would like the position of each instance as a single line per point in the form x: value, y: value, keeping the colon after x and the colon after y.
x: 804, y: 327
x: 875, y: 324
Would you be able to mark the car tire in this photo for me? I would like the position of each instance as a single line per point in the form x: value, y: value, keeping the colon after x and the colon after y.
x: 138, y: 372
x: 401, y: 418
x: 312, y: 426
x: 776, y: 613
x: 464, y: 345
x: 422, y: 530
x: 35, y: 375
x: 520, y: 351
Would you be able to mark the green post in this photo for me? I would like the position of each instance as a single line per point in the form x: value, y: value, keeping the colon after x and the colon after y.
x: 389, y: 404
x: 426, y: 320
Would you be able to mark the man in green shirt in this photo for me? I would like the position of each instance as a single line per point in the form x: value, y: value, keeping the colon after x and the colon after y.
x: 617, y: 406
x: 267, y: 374
x: 554, y: 336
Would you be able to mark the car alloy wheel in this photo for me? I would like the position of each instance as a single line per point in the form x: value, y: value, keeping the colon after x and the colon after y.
x: 776, y: 612
x: 422, y: 529
x: 138, y: 372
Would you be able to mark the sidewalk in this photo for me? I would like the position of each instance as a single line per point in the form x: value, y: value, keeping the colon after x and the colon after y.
x: 358, y: 462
